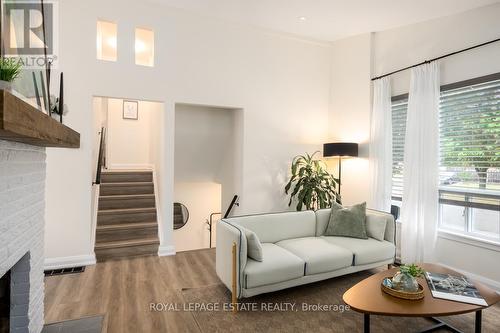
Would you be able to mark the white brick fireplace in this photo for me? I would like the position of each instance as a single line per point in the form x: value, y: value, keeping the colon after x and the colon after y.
x: 22, y: 186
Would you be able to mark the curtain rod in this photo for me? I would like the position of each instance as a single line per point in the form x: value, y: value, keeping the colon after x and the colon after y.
x: 441, y: 57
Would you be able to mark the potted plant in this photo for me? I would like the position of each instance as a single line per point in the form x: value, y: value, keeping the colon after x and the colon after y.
x: 406, y: 278
x: 313, y: 187
x: 10, y: 69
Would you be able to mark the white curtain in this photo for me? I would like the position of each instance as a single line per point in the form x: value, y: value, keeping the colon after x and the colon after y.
x: 381, y: 146
x: 419, y: 213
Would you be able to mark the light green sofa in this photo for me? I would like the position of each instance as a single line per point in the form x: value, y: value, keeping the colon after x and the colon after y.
x: 295, y: 251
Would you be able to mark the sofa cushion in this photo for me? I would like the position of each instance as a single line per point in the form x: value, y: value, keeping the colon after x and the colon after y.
x: 322, y: 219
x: 375, y: 226
x: 278, y: 265
x: 271, y: 228
x: 366, y: 251
x: 254, y: 247
x: 390, y: 227
x: 319, y: 255
x: 347, y: 221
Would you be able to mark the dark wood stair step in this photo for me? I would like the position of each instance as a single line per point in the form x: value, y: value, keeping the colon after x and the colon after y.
x: 127, y: 231
x: 126, y: 249
x: 130, y: 215
x: 126, y: 176
x: 127, y: 188
x: 127, y: 226
x: 126, y: 201
x: 120, y: 244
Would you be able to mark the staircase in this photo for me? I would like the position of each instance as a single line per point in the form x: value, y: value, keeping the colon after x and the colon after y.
x: 126, y: 217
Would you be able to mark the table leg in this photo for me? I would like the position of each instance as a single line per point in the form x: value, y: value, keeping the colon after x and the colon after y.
x: 367, y: 323
x: 479, y: 319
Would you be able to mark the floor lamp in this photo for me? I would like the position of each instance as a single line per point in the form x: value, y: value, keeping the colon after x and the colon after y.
x: 340, y: 149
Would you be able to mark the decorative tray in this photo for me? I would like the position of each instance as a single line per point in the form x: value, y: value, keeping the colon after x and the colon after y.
x: 386, y: 287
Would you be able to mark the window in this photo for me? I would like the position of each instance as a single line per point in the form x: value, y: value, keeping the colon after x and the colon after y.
x: 106, y: 41
x: 399, y: 110
x: 144, y: 47
x: 469, y: 170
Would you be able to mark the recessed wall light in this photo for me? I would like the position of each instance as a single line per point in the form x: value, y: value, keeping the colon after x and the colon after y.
x: 302, y: 18
x: 144, y: 47
x: 106, y: 41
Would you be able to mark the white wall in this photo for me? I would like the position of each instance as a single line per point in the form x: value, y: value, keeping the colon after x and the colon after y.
x: 398, y: 48
x: 349, y: 119
x: 201, y: 199
x: 130, y: 144
x: 281, y: 82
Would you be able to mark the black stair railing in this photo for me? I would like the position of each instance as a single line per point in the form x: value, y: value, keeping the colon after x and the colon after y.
x: 100, y: 158
x: 210, y: 221
x: 233, y: 203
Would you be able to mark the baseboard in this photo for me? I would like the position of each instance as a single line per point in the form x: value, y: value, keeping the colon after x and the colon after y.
x: 67, y: 262
x: 167, y: 250
x: 489, y: 282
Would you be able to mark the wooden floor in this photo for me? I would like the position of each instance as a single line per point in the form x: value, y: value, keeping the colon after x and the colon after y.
x: 122, y: 290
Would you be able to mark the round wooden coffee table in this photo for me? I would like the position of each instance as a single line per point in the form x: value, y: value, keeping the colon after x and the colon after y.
x: 368, y: 298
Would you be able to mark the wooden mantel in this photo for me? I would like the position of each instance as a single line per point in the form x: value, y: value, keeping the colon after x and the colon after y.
x: 21, y: 122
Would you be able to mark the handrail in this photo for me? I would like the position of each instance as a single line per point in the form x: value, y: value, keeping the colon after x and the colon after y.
x: 210, y: 223
x: 231, y: 205
x: 100, y: 159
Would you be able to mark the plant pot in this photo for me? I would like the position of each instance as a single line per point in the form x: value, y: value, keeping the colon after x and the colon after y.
x: 5, y: 85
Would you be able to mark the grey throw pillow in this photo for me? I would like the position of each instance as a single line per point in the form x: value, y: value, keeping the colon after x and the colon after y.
x: 375, y: 226
x: 254, y: 247
x: 347, y: 221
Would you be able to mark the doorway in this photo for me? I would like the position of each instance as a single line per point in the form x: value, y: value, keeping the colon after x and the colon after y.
x: 207, y: 173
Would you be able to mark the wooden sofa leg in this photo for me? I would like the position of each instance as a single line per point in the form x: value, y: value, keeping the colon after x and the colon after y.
x: 389, y: 266
x: 234, y: 297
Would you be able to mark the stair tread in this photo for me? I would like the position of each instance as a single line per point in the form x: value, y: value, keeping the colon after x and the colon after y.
x: 126, y: 172
x: 120, y: 226
x: 127, y: 243
x: 127, y: 210
x: 126, y: 184
x: 127, y: 196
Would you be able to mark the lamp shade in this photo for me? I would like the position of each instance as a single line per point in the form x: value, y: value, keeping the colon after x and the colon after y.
x: 340, y: 149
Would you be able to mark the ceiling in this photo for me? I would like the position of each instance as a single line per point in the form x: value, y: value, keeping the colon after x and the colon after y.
x: 327, y: 19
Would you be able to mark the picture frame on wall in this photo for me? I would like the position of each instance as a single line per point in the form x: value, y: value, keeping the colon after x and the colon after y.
x: 130, y: 110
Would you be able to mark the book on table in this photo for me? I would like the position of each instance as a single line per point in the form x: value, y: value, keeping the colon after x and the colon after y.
x: 454, y: 288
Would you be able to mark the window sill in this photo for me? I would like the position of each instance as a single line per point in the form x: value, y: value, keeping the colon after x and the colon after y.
x: 469, y: 240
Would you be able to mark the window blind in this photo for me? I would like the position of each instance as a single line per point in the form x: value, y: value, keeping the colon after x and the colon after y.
x: 469, y: 124
x: 399, y: 111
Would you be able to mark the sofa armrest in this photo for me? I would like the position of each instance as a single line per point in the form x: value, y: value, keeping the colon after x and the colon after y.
x: 390, y: 227
x: 227, y: 234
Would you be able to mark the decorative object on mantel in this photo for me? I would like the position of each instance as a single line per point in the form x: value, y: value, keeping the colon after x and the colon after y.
x: 10, y: 69
x: 131, y: 110
x: 37, y: 92
x: 313, y: 186
x: 22, y: 122
x: 57, y: 106
x: 61, y: 97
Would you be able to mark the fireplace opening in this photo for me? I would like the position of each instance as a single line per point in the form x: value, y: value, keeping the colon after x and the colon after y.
x: 5, y: 303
